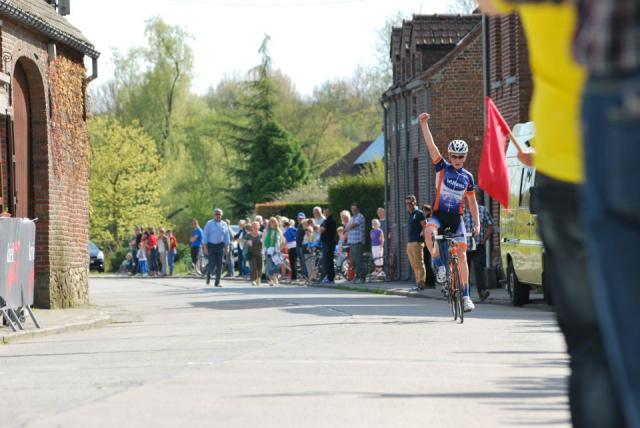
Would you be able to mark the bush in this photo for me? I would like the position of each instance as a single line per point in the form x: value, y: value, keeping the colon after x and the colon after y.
x: 366, y: 188
x: 116, y: 258
x: 287, y: 209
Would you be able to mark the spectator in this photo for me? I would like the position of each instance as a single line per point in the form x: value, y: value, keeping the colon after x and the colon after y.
x: 300, y: 234
x: 328, y: 238
x: 260, y: 221
x: 134, y: 245
x: 318, y: 218
x: 415, y: 247
x: 555, y: 109
x: 152, y: 252
x: 430, y: 274
x: 377, y: 246
x: 244, y: 228
x: 215, y: 242
x: 228, y: 257
x: 382, y: 216
x: 272, y: 241
x: 196, y: 242
x: 290, y: 234
x: 608, y: 44
x: 355, y: 230
x: 477, y: 254
x: 253, y: 243
x: 142, y: 259
x: 173, y: 251
x: 163, y: 252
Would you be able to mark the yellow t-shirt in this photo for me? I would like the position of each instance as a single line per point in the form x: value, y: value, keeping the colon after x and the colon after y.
x: 558, y: 81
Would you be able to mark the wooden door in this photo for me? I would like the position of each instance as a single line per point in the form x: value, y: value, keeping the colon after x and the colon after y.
x: 21, y: 143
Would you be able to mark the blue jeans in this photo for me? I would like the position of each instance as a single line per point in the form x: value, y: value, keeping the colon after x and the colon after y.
x: 611, y: 118
x: 215, y: 253
x: 272, y: 268
x: 591, y: 393
x: 172, y: 259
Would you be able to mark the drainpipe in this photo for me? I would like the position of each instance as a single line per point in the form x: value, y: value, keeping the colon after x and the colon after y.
x: 94, y: 71
x: 398, y: 207
x: 486, y: 78
x: 385, y: 115
x: 407, y: 141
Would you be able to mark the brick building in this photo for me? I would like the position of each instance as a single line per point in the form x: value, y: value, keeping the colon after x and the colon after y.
x: 438, y: 68
x: 44, y: 145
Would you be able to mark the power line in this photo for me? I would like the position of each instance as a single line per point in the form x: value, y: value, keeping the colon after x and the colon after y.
x: 270, y: 4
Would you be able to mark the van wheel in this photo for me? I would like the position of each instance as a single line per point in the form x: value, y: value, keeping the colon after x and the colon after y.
x: 519, y: 293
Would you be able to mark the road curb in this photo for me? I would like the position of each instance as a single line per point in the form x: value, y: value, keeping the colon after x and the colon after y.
x: 49, y: 331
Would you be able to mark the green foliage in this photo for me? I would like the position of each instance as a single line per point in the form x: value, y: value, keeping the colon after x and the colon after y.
x: 116, y: 258
x: 287, y: 209
x: 313, y: 191
x: 152, y: 82
x: 124, y: 186
x: 366, y: 189
x: 270, y: 160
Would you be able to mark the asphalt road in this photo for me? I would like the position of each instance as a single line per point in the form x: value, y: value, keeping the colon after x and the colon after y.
x: 179, y: 354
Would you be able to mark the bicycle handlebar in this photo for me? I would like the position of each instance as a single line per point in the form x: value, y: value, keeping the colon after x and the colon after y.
x: 459, y: 235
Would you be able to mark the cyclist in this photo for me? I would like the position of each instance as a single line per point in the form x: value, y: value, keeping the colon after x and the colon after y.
x: 453, y: 184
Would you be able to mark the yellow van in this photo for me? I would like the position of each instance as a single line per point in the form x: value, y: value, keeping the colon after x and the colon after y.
x: 520, y: 246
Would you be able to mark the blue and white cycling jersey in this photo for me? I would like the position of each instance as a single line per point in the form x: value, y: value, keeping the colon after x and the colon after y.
x: 452, y: 185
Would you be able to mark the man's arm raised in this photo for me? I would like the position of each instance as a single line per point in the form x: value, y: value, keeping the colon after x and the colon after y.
x: 428, y: 138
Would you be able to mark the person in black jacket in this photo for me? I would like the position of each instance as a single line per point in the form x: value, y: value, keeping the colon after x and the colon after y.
x: 328, y: 239
x: 299, y: 247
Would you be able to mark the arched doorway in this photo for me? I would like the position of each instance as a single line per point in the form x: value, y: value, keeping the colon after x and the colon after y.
x: 22, y: 169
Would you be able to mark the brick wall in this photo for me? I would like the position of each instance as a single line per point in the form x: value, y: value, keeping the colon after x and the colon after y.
x: 60, y: 203
x: 453, y: 95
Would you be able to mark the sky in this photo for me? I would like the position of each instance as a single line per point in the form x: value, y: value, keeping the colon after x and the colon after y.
x: 312, y: 41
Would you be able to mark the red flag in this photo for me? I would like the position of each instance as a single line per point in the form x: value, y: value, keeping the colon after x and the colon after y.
x: 493, y: 176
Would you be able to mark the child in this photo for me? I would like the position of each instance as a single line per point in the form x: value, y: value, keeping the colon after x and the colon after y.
x: 142, y: 260
x: 377, y: 245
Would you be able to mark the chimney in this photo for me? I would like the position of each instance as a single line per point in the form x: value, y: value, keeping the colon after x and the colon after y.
x: 62, y: 6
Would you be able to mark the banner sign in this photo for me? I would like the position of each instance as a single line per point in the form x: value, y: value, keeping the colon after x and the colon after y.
x: 17, y: 258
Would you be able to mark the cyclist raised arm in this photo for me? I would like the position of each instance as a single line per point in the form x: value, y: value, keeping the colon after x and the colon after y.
x: 428, y: 138
x: 453, y: 184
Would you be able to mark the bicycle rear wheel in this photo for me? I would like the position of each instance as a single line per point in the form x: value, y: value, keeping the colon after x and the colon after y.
x: 458, y: 293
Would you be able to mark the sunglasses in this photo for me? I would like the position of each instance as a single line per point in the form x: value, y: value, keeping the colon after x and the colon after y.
x: 458, y: 156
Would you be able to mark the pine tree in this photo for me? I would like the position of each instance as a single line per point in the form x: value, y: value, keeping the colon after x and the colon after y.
x: 270, y: 160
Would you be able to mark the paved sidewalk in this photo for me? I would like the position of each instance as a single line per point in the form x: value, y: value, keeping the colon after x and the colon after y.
x: 56, y: 321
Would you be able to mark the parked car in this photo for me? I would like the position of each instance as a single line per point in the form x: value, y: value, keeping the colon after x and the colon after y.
x: 96, y: 258
x: 520, y: 247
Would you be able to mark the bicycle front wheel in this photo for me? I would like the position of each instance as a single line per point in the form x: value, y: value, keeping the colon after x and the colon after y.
x: 458, y: 293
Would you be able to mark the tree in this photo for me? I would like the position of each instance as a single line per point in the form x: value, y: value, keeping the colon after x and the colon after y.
x: 152, y: 82
x: 124, y: 185
x: 462, y: 6
x: 269, y: 159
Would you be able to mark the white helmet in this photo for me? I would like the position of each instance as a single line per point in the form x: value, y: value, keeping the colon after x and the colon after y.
x: 458, y: 147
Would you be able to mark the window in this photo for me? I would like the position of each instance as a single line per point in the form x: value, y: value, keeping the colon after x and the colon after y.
x: 414, y: 106
x: 528, y: 176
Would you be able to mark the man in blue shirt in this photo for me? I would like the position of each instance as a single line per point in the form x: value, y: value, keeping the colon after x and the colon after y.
x: 196, y: 241
x: 215, y: 244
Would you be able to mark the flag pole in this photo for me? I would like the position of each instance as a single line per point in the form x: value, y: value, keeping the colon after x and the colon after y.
x: 515, y: 142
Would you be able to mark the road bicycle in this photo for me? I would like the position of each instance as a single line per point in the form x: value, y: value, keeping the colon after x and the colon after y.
x: 452, y: 288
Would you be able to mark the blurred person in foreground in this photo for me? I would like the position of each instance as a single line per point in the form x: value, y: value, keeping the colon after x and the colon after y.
x: 608, y: 45
x: 558, y: 80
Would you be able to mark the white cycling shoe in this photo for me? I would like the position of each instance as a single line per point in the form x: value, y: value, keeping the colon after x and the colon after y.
x: 441, y: 274
x: 467, y: 304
